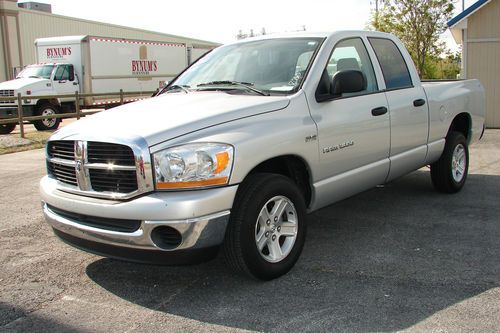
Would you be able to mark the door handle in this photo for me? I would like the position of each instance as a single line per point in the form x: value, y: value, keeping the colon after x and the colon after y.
x: 74, y: 83
x: 419, y: 102
x: 379, y: 111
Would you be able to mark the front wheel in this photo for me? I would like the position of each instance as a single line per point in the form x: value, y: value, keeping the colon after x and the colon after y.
x: 267, y: 229
x: 47, y: 124
x: 7, y: 128
x: 449, y: 173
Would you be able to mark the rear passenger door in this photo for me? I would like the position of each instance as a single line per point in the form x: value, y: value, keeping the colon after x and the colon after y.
x: 409, y: 113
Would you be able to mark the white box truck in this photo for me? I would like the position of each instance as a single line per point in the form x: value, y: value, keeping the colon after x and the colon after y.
x: 89, y: 64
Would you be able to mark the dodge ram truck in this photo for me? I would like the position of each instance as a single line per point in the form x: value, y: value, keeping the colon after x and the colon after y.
x: 238, y: 148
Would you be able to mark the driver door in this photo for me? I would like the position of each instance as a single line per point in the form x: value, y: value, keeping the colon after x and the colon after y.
x: 353, y: 129
x: 65, y: 81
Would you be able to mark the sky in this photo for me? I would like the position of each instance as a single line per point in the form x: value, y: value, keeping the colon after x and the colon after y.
x: 221, y: 20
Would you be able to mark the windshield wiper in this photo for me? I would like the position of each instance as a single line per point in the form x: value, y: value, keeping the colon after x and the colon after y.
x: 245, y: 85
x: 34, y: 77
x: 184, y: 88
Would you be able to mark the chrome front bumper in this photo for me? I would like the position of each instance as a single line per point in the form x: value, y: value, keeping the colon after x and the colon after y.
x: 200, y: 217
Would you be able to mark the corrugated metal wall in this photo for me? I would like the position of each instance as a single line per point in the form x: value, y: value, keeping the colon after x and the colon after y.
x: 483, y: 56
x: 24, y: 26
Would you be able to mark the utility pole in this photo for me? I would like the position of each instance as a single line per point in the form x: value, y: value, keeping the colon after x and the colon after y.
x: 376, y: 14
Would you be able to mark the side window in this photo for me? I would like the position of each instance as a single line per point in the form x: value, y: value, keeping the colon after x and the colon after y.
x: 351, y: 54
x: 392, y: 63
x: 62, y: 73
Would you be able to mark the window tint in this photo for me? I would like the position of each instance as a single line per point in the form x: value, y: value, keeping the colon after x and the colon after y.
x: 351, y: 54
x: 62, y: 73
x: 396, y: 74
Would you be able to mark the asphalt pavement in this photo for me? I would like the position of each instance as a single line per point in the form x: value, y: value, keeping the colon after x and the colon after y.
x: 401, y: 257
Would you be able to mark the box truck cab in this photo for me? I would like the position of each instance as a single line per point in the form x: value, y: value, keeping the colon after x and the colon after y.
x: 89, y: 65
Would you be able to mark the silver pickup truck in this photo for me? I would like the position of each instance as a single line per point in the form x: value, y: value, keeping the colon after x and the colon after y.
x: 237, y: 149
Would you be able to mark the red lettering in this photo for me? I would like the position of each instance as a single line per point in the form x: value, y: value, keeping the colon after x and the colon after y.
x: 144, y: 66
x: 58, y: 52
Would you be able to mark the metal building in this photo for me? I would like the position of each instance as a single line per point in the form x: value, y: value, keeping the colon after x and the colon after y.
x: 477, y: 29
x: 20, y: 27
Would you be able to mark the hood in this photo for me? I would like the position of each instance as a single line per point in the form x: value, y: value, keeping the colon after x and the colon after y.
x: 168, y: 116
x: 21, y: 83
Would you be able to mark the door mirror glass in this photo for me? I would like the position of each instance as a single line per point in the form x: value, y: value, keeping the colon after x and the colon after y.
x: 348, y: 81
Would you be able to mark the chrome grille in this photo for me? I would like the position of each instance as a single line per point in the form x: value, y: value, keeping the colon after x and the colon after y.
x: 93, y: 166
x: 100, y: 152
x: 120, y: 181
x: 63, y: 173
x: 61, y: 149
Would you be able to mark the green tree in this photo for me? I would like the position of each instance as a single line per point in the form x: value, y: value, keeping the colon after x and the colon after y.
x: 418, y: 23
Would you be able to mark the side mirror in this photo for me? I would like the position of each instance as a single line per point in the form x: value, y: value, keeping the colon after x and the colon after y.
x: 71, y: 73
x: 348, y: 81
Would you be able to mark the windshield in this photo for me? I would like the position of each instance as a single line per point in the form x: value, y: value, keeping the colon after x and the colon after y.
x: 273, y: 66
x: 41, y: 71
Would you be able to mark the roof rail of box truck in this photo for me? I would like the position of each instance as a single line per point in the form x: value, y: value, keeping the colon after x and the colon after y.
x: 59, y: 40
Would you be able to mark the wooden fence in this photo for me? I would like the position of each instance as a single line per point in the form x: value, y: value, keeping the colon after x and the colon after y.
x: 20, y: 119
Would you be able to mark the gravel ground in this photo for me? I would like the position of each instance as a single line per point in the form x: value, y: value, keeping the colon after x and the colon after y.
x: 7, y: 141
x: 396, y: 258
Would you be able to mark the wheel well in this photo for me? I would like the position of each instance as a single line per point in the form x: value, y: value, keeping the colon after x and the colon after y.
x: 47, y: 101
x: 462, y: 124
x: 289, y: 166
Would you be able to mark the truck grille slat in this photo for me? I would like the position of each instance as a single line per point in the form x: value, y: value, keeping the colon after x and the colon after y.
x: 118, y: 181
x: 62, y: 173
x: 61, y: 149
x: 101, y: 152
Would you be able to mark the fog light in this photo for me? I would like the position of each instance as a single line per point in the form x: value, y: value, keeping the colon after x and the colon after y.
x: 166, y: 238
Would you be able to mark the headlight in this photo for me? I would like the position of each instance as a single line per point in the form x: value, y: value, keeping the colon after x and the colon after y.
x: 193, y: 166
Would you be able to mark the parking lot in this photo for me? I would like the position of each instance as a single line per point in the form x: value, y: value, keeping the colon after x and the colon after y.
x: 401, y: 257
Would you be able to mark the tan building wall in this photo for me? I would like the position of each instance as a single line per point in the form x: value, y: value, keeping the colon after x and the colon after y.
x: 483, y: 56
x: 20, y: 27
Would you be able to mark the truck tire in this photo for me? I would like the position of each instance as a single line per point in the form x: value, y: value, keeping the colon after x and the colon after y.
x: 47, y: 124
x: 267, y: 228
x: 7, y: 128
x: 449, y: 173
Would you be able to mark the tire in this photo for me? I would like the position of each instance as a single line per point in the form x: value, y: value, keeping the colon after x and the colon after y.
x: 281, y: 236
x: 7, y: 128
x: 47, y: 124
x: 449, y: 173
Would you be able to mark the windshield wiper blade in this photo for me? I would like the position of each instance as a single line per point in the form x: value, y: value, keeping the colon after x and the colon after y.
x: 245, y: 85
x: 184, y: 88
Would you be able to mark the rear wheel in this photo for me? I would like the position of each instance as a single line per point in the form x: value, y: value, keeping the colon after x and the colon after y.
x: 449, y: 173
x: 266, y: 233
x: 7, y: 128
x: 47, y: 124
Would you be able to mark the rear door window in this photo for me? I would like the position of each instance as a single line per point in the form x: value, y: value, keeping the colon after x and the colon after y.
x: 392, y: 63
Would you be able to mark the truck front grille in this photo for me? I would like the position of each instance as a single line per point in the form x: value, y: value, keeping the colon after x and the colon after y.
x: 7, y: 93
x: 101, y: 152
x: 63, y: 173
x: 61, y: 149
x: 113, y: 181
x: 93, y: 166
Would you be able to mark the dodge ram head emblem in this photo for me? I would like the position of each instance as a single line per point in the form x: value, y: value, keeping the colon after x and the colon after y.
x: 78, y: 166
